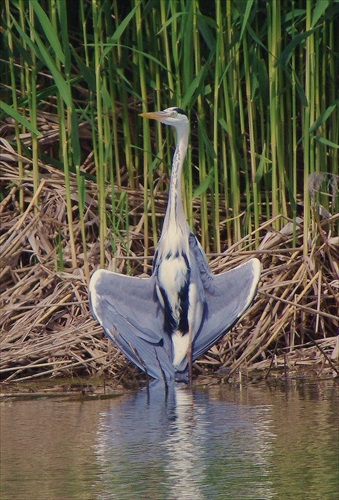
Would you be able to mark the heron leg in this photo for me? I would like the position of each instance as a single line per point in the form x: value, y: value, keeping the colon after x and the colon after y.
x: 189, y: 355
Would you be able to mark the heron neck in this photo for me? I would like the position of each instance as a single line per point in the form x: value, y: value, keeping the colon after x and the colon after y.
x: 175, y: 210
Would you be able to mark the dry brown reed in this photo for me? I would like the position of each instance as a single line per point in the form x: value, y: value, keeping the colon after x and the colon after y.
x: 46, y: 328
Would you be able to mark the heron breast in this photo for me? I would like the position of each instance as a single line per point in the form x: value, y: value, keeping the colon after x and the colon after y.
x: 173, y: 276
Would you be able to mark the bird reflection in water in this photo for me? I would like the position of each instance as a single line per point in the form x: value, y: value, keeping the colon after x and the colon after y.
x: 184, y: 445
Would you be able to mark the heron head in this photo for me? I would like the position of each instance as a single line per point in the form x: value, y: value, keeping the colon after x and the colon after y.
x: 171, y: 116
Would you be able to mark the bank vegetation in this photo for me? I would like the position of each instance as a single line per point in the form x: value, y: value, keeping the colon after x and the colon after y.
x: 84, y: 181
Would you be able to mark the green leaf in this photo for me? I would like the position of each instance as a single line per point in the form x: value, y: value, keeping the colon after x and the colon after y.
x: 170, y: 21
x: 204, y: 24
x: 322, y: 140
x: 26, y: 39
x: 153, y: 165
x: 223, y: 124
x: 203, y: 186
x: 118, y: 32
x: 62, y: 12
x: 85, y: 71
x: 287, y: 52
x: 75, y: 141
x: 197, y: 85
x: 46, y: 58
x: 318, y: 11
x: 260, y: 170
x: 17, y: 117
x: 300, y: 91
x: 207, y: 143
x: 323, y: 117
x: 249, y: 5
x: 51, y: 34
x: 106, y: 98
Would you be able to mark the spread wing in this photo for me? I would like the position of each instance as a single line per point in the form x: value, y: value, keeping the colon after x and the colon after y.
x: 227, y: 296
x: 127, y: 309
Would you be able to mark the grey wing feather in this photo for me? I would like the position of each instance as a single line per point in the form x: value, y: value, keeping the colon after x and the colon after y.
x: 131, y: 317
x: 227, y: 297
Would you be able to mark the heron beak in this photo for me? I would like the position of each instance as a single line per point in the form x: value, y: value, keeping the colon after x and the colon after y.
x: 155, y: 115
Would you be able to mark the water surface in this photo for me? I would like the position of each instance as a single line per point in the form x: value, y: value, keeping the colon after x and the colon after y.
x: 226, y: 442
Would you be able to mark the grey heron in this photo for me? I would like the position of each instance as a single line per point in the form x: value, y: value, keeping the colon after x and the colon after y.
x: 165, y: 322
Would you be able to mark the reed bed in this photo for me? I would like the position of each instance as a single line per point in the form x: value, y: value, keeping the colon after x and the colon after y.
x: 84, y: 182
x: 47, y: 329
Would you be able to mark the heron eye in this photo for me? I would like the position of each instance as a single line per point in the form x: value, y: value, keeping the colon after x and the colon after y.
x: 174, y: 114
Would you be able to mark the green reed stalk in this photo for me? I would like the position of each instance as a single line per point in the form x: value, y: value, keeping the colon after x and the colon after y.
x: 73, y: 143
x: 333, y: 126
x: 230, y: 95
x: 63, y: 102
x: 308, y: 118
x: 195, y: 69
x: 293, y: 110
x: 39, y: 50
x: 66, y: 165
x: 217, y: 76
x: 33, y: 105
x: 319, y: 148
x: 175, y: 29
x: 321, y: 77
x: 202, y: 163
x: 111, y: 132
x: 12, y: 72
x: 157, y: 75
x: 252, y: 141
x: 186, y: 35
x: 242, y: 116
x: 99, y: 144
x: 211, y: 60
x: 146, y: 136
x: 168, y: 55
x: 273, y: 42
x: 242, y: 124
x: 108, y: 96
